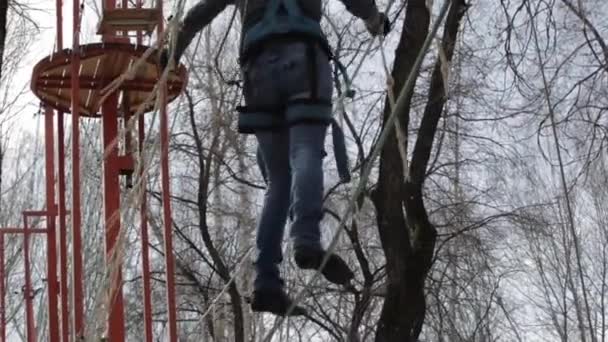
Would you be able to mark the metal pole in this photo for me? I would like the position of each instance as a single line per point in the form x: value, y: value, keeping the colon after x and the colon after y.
x: 63, y: 249
x: 168, y: 243
x: 51, y: 240
x: 59, y: 24
x: 145, y: 250
x: 29, y: 305
x: 111, y: 189
x: 166, y: 189
x: 77, y: 281
x: 144, y: 238
x: 63, y: 233
x: 2, y: 294
x: 139, y: 4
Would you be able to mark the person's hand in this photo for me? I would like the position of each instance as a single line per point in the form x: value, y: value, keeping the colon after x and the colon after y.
x: 378, y: 24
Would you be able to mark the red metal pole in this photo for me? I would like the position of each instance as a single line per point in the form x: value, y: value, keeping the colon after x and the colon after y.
x: 144, y: 239
x: 63, y: 249
x: 63, y: 233
x: 166, y: 189
x: 29, y: 305
x: 145, y: 251
x: 111, y: 189
x: 169, y: 262
x: 77, y: 281
x: 111, y: 172
x: 2, y: 294
x: 138, y: 4
x: 59, y: 24
x: 30, y: 231
x: 51, y: 240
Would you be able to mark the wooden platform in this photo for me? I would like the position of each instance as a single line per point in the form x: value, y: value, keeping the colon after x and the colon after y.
x: 129, y: 19
x: 100, y: 64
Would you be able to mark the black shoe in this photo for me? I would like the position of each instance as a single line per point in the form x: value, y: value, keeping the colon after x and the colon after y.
x: 276, y: 302
x: 336, y: 270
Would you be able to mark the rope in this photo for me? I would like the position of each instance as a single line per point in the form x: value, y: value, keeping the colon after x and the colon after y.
x: 399, y: 104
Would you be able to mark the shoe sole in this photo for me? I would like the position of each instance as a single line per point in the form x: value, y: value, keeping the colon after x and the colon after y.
x: 271, y: 305
x: 335, y: 271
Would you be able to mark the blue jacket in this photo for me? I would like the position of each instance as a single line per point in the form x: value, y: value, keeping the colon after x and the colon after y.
x: 201, y: 14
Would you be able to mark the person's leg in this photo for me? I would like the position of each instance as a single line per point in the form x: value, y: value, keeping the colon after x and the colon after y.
x: 306, y: 161
x: 269, y: 295
x: 306, y: 152
x: 274, y: 147
x: 309, y: 88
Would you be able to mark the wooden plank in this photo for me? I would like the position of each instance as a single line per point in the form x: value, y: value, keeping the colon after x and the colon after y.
x: 129, y: 19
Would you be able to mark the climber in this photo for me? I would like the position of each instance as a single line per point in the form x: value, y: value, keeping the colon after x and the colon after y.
x: 287, y: 86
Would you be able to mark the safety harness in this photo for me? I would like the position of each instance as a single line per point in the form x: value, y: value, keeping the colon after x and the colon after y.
x: 283, y: 20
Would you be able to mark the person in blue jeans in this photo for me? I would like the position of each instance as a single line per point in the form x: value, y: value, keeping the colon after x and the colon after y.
x: 285, y: 62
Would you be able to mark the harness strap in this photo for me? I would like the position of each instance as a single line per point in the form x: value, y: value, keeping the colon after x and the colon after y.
x: 340, y: 153
x: 350, y: 92
x: 312, y: 66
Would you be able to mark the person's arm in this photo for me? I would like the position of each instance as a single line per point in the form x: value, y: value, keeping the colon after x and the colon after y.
x: 375, y: 21
x: 194, y: 21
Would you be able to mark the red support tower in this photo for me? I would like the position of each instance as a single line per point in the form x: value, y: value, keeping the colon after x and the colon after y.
x: 85, y: 82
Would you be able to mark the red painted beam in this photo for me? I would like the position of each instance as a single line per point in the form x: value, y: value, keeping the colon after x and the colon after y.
x: 167, y: 220
x: 29, y: 305
x: 116, y: 325
x: 10, y: 230
x: 145, y: 253
x: 168, y: 238
x: 51, y: 212
x: 139, y: 34
x: 63, y: 232
x: 63, y: 262
x: 2, y: 294
x: 59, y: 24
x: 111, y: 191
x: 96, y: 83
x: 77, y: 265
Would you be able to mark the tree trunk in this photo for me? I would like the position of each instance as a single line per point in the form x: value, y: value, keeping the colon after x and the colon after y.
x: 408, y: 239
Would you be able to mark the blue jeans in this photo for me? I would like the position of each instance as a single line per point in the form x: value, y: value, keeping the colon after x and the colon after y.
x: 292, y: 154
x: 293, y: 158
